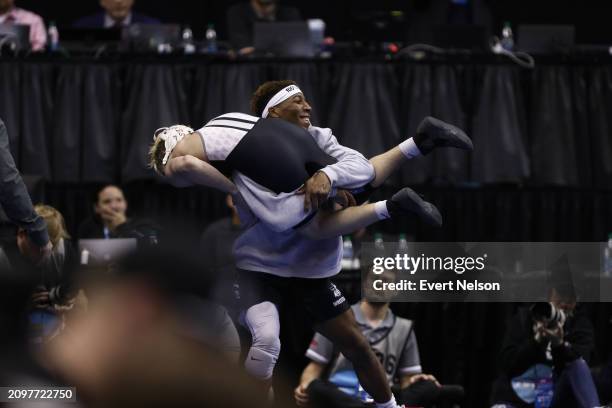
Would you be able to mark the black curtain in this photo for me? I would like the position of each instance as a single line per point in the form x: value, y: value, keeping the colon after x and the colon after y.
x: 92, y: 121
x: 541, y: 169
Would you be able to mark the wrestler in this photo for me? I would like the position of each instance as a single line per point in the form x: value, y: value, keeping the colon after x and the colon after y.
x: 277, y: 156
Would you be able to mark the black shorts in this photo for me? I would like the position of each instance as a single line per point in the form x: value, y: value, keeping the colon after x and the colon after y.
x: 320, y: 298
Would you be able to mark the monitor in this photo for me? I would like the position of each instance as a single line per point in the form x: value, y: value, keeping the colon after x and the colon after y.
x: 284, y: 39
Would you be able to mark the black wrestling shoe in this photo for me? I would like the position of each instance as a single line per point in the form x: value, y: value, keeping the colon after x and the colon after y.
x: 433, y: 133
x: 407, y: 200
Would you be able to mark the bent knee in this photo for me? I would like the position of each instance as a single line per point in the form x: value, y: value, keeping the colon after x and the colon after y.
x: 263, y: 322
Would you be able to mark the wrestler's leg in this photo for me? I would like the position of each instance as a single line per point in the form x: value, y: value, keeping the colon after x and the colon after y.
x: 430, y: 134
x: 328, y: 224
x: 385, y: 164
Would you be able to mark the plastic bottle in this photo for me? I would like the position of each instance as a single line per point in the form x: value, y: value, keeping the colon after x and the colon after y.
x: 188, y: 45
x: 53, y: 37
x: 84, y: 257
x: 347, y: 253
x: 379, y: 244
x: 211, y: 39
x: 402, y: 243
x: 507, y: 37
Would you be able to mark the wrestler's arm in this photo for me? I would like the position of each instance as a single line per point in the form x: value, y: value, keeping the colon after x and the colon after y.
x: 188, y: 170
x: 352, y: 170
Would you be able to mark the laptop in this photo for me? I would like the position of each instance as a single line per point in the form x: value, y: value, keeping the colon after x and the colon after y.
x: 283, y: 39
x: 15, y: 36
x: 151, y: 37
x: 105, y: 251
x: 545, y: 38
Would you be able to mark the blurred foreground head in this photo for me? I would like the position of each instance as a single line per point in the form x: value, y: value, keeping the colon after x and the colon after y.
x: 130, y: 347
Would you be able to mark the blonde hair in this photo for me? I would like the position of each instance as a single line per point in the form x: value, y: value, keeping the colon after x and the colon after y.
x: 55, y: 222
x: 156, y: 155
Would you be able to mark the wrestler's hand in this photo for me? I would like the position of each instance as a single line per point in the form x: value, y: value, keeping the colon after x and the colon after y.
x: 316, y: 191
x: 345, y: 198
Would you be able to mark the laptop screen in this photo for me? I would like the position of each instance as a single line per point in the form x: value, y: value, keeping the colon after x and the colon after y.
x: 105, y: 251
x: 283, y: 39
x: 18, y: 35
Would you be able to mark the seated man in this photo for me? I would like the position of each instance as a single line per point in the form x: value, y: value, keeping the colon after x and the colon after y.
x: 9, y: 14
x: 546, y: 360
x: 394, y: 342
x: 116, y: 14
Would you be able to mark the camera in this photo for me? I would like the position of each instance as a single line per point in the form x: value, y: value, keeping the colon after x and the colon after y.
x: 547, y: 314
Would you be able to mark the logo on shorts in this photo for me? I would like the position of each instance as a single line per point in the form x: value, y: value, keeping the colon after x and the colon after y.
x: 339, y: 301
x: 334, y: 289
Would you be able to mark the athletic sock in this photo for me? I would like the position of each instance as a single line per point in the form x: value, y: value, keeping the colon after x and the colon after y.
x: 381, y: 210
x: 409, y: 148
x: 389, y: 404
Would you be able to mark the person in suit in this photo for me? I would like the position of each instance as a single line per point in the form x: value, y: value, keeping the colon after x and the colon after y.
x: 116, y: 14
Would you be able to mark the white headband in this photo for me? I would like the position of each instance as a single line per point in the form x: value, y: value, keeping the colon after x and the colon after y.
x: 280, y: 97
x: 171, y: 136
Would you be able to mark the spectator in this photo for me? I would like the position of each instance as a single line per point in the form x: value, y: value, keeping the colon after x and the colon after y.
x: 110, y: 207
x: 9, y: 14
x: 110, y: 219
x: 53, y: 275
x: 394, y: 342
x: 536, y: 352
x: 116, y: 14
x: 58, y: 278
x: 241, y: 20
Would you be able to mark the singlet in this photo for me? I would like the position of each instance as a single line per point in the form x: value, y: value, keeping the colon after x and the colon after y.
x: 272, y: 152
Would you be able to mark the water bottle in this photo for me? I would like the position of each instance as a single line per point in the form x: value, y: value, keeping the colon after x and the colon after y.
x: 507, y: 38
x: 84, y: 257
x: 53, y: 37
x: 544, y: 391
x: 379, y: 244
x: 607, y: 270
x: 347, y: 253
x: 402, y: 244
x: 211, y: 39
x: 188, y: 46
